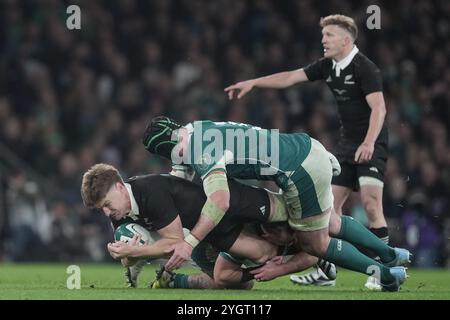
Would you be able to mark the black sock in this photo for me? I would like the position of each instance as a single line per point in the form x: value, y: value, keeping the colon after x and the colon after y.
x: 381, y: 233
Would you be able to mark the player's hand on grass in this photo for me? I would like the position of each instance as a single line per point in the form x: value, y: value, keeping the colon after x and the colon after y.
x: 364, y: 152
x: 270, y: 270
x: 120, y: 249
x: 242, y: 87
x: 181, y: 253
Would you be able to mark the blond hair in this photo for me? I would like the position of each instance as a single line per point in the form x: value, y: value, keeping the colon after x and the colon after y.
x: 342, y: 21
x: 96, y: 183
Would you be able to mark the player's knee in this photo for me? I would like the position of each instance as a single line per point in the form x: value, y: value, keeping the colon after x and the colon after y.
x: 334, y: 226
x: 226, y: 283
x: 317, y: 246
x: 371, y: 206
x: 224, y: 278
x: 312, y: 248
x: 320, y: 248
x: 262, y: 258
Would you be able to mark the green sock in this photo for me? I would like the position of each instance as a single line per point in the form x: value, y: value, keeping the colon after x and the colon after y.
x: 355, y: 233
x: 347, y: 256
x: 181, y: 281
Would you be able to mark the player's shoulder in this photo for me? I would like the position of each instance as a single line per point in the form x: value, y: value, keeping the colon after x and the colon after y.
x: 142, y: 179
x: 204, y: 125
x: 201, y: 126
x: 201, y: 123
x: 324, y: 62
x: 149, y: 181
x: 361, y: 61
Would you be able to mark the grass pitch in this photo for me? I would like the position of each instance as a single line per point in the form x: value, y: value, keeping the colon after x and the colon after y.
x: 100, y: 281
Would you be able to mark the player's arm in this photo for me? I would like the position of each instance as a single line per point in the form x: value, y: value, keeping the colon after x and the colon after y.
x: 170, y: 234
x: 215, y: 185
x: 275, y: 81
x: 377, y: 105
x: 280, y: 266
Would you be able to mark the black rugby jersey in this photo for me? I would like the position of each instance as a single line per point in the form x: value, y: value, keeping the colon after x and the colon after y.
x: 161, y: 197
x: 360, y: 78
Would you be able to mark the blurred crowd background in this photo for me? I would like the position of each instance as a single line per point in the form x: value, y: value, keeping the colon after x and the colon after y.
x: 72, y: 98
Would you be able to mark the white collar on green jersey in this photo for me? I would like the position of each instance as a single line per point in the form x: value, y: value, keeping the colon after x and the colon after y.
x: 134, y: 213
x: 341, y: 65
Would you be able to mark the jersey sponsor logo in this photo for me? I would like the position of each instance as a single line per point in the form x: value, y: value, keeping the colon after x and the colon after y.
x: 348, y: 78
x: 340, y: 92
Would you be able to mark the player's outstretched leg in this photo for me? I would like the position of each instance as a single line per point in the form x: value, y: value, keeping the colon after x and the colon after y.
x: 346, y: 255
x: 348, y: 229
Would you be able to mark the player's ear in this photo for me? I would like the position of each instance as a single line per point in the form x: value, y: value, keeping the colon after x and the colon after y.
x: 347, y: 40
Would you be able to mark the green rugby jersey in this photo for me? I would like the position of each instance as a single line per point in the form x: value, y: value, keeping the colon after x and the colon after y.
x: 244, y: 151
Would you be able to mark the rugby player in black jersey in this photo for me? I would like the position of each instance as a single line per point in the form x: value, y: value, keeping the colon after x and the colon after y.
x: 356, y: 84
x: 165, y: 203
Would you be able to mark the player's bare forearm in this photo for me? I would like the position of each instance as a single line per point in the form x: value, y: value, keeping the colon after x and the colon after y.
x: 377, y: 116
x: 299, y: 262
x: 157, y: 249
x: 275, y: 81
x: 203, y: 227
x: 281, y: 80
x: 277, y: 266
x: 375, y: 125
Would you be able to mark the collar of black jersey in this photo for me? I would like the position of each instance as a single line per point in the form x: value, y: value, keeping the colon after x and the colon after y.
x: 341, y: 65
x: 134, y: 213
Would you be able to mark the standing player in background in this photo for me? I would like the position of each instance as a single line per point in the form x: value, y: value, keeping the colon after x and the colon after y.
x: 356, y: 84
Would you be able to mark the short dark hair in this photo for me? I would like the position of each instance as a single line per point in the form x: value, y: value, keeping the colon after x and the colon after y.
x: 96, y: 183
x: 342, y: 21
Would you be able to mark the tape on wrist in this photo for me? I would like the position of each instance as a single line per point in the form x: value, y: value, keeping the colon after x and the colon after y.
x: 193, y: 241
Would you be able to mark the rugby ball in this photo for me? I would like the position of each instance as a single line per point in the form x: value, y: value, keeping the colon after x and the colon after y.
x: 126, y: 231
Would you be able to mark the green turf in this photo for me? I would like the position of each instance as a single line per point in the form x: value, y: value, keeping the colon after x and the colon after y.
x: 48, y: 281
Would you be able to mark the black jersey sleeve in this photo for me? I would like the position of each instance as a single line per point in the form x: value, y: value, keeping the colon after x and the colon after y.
x: 370, y: 78
x: 316, y: 70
